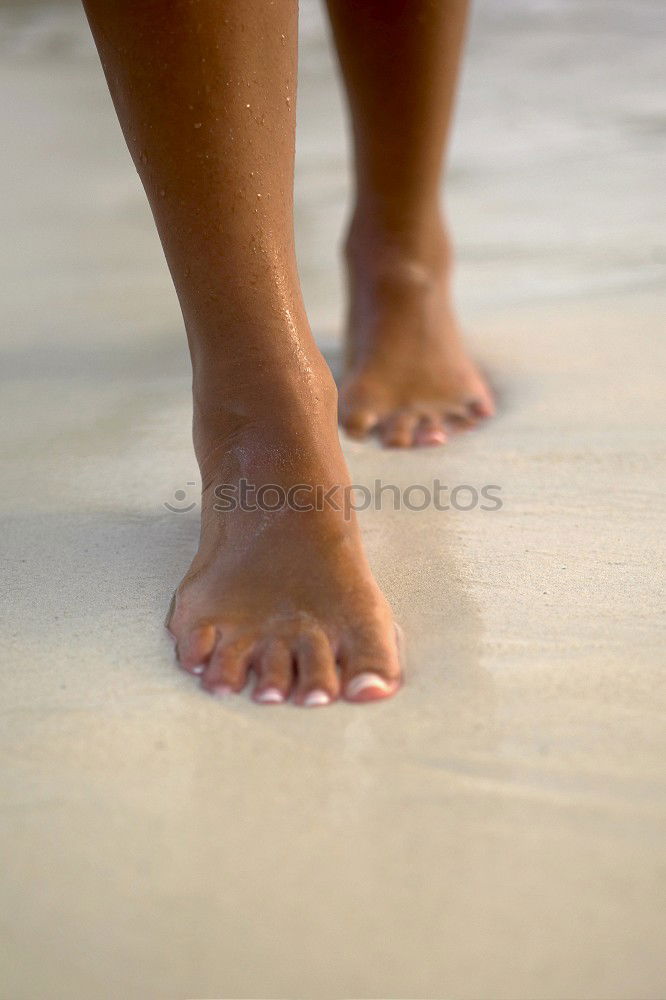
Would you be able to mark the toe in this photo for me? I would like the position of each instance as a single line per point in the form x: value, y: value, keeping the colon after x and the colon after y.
x: 397, y: 431
x: 482, y: 407
x: 430, y: 431
x: 317, y: 676
x: 479, y: 402
x: 228, y: 666
x: 358, y: 407
x: 371, y: 670
x: 358, y: 423
x: 458, y: 415
x: 195, y: 647
x: 276, y: 671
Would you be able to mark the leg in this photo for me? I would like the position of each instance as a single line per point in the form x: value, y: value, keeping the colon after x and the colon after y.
x: 407, y: 370
x: 205, y: 94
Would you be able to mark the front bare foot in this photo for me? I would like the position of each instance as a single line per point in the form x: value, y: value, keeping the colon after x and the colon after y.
x: 409, y: 378
x: 277, y: 589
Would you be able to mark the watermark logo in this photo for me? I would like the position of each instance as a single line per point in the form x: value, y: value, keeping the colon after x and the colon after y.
x: 181, y: 498
x: 347, y: 499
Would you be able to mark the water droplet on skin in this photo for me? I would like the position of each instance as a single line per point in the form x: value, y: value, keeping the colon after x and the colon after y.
x: 198, y: 124
x: 162, y: 193
x: 247, y: 105
x: 258, y: 196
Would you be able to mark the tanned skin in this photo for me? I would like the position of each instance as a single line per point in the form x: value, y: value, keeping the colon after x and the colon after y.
x: 409, y: 377
x: 205, y: 91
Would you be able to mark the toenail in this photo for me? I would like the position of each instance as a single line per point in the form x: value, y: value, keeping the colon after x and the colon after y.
x: 199, y: 669
x: 317, y: 698
x: 435, y: 437
x: 271, y: 696
x: 222, y: 691
x: 364, y: 681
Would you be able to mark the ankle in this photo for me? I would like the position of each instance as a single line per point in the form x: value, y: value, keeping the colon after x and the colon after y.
x: 414, y: 244
x: 271, y: 401
x: 256, y: 353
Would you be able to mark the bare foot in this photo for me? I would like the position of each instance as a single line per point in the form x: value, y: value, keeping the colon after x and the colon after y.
x: 409, y: 378
x: 287, y: 594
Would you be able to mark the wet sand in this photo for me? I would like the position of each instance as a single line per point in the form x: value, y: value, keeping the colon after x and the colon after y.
x: 497, y: 831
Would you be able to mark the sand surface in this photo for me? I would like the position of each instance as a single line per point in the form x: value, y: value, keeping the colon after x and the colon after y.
x: 496, y: 831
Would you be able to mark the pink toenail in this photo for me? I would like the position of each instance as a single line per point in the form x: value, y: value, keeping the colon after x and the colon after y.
x: 317, y: 698
x: 222, y: 691
x: 271, y: 696
x: 199, y: 669
x: 435, y: 437
x: 364, y: 681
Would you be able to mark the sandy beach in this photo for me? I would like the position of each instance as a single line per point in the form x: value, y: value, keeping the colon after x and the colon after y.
x: 495, y: 832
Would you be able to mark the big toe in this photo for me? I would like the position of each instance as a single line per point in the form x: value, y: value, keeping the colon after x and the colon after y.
x: 371, y: 670
x: 358, y: 421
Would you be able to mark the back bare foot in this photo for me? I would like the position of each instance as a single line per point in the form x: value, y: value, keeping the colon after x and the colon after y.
x: 409, y: 378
